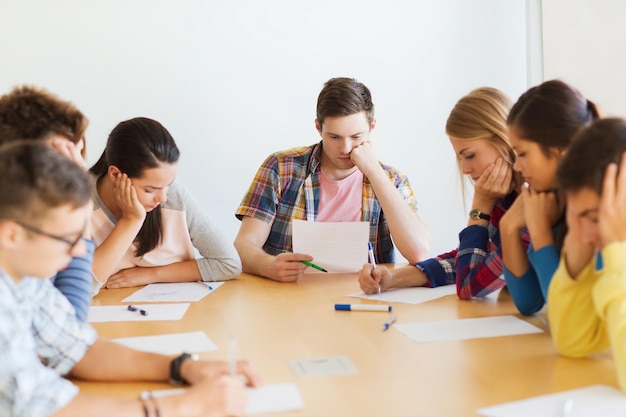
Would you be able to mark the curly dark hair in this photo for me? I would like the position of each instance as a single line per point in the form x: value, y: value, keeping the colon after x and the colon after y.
x: 33, y: 113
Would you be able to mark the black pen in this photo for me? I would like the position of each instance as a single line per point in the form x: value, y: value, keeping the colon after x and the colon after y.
x: 138, y: 310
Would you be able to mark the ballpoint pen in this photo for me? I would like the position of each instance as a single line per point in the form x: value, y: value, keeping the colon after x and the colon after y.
x: 370, y: 252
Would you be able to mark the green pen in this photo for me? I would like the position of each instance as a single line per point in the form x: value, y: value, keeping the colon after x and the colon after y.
x: 312, y: 265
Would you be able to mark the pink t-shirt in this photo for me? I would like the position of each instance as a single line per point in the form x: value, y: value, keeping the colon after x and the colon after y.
x: 341, y: 201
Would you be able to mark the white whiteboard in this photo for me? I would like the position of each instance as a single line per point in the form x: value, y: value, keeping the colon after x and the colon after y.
x: 235, y: 80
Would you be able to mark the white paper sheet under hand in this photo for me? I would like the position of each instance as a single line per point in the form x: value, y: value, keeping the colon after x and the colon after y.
x: 335, y: 246
x: 171, y: 343
x: 272, y: 398
x: 462, y: 329
x: 413, y: 295
x: 596, y: 400
x: 99, y: 314
x: 173, y: 292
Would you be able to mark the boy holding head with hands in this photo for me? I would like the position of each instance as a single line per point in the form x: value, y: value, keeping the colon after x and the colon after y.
x: 587, y: 296
x: 45, y: 205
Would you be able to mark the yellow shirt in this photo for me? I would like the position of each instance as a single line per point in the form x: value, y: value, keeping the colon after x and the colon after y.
x: 588, y: 313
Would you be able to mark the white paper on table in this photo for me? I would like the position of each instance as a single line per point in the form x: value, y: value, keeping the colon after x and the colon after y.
x: 462, y: 329
x: 414, y: 295
x: 274, y: 398
x: 99, y: 314
x: 335, y: 246
x: 173, y: 292
x: 322, y: 366
x: 271, y: 398
x: 595, y: 400
x: 171, y: 343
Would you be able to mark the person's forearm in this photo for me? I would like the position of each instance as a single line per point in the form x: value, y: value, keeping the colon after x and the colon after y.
x: 109, y: 361
x: 409, y: 233
x: 513, y: 252
x: 408, y: 276
x: 109, y: 253
x: 254, y: 260
x: 183, y: 271
x: 541, y: 236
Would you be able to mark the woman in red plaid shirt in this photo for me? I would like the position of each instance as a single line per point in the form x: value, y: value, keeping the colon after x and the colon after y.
x: 478, y: 134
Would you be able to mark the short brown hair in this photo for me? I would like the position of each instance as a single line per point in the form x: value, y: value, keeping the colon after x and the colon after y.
x: 344, y: 97
x: 32, y: 113
x: 34, y: 177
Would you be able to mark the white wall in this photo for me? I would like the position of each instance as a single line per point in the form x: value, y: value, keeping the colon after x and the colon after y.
x: 584, y: 43
x: 235, y: 80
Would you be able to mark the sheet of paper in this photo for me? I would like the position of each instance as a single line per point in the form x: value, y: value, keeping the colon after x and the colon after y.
x: 322, y: 366
x: 270, y: 398
x: 413, y: 295
x: 336, y: 247
x: 171, y: 343
x: 461, y: 329
x: 595, y: 400
x: 173, y: 292
x: 274, y: 398
x: 99, y: 314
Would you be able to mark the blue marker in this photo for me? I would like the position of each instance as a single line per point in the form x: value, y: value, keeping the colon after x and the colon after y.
x: 362, y: 307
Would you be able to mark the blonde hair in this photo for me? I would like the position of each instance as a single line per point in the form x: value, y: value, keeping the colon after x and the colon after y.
x: 482, y: 115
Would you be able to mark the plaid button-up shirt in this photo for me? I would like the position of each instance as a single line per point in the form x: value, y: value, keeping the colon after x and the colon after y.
x: 287, y: 187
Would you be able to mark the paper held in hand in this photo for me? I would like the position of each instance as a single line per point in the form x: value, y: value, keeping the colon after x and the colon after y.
x: 336, y: 247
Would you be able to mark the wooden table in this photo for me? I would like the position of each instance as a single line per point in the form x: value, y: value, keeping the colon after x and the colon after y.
x: 274, y: 322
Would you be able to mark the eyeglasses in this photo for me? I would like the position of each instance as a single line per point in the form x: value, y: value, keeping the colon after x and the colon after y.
x: 71, y: 243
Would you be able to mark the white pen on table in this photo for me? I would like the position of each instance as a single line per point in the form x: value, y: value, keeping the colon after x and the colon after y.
x: 370, y: 252
x: 389, y: 322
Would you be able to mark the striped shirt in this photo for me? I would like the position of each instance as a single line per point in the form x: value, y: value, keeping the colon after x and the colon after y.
x: 287, y: 186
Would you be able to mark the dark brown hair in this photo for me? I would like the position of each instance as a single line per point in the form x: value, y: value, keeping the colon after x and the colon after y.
x: 32, y: 113
x: 587, y: 158
x: 344, y: 97
x: 34, y: 178
x: 550, y: 114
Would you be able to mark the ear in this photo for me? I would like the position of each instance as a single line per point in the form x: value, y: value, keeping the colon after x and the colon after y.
x: 9, y: 234
x: 318, y: 127
x: 113, y: 172
x: 373, y: 124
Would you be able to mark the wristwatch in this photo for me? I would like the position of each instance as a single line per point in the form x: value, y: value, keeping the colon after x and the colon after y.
x: 175, y: 365
x: 477, y: 214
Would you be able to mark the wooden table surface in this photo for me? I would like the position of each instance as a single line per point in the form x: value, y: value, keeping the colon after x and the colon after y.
x: 275, y: 322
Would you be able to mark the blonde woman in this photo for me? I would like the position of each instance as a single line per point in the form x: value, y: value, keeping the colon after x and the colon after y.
x: 477, y: 131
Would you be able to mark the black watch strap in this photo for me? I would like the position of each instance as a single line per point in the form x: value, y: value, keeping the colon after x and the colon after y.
x: 176, y: 364
x: 477, y: 214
